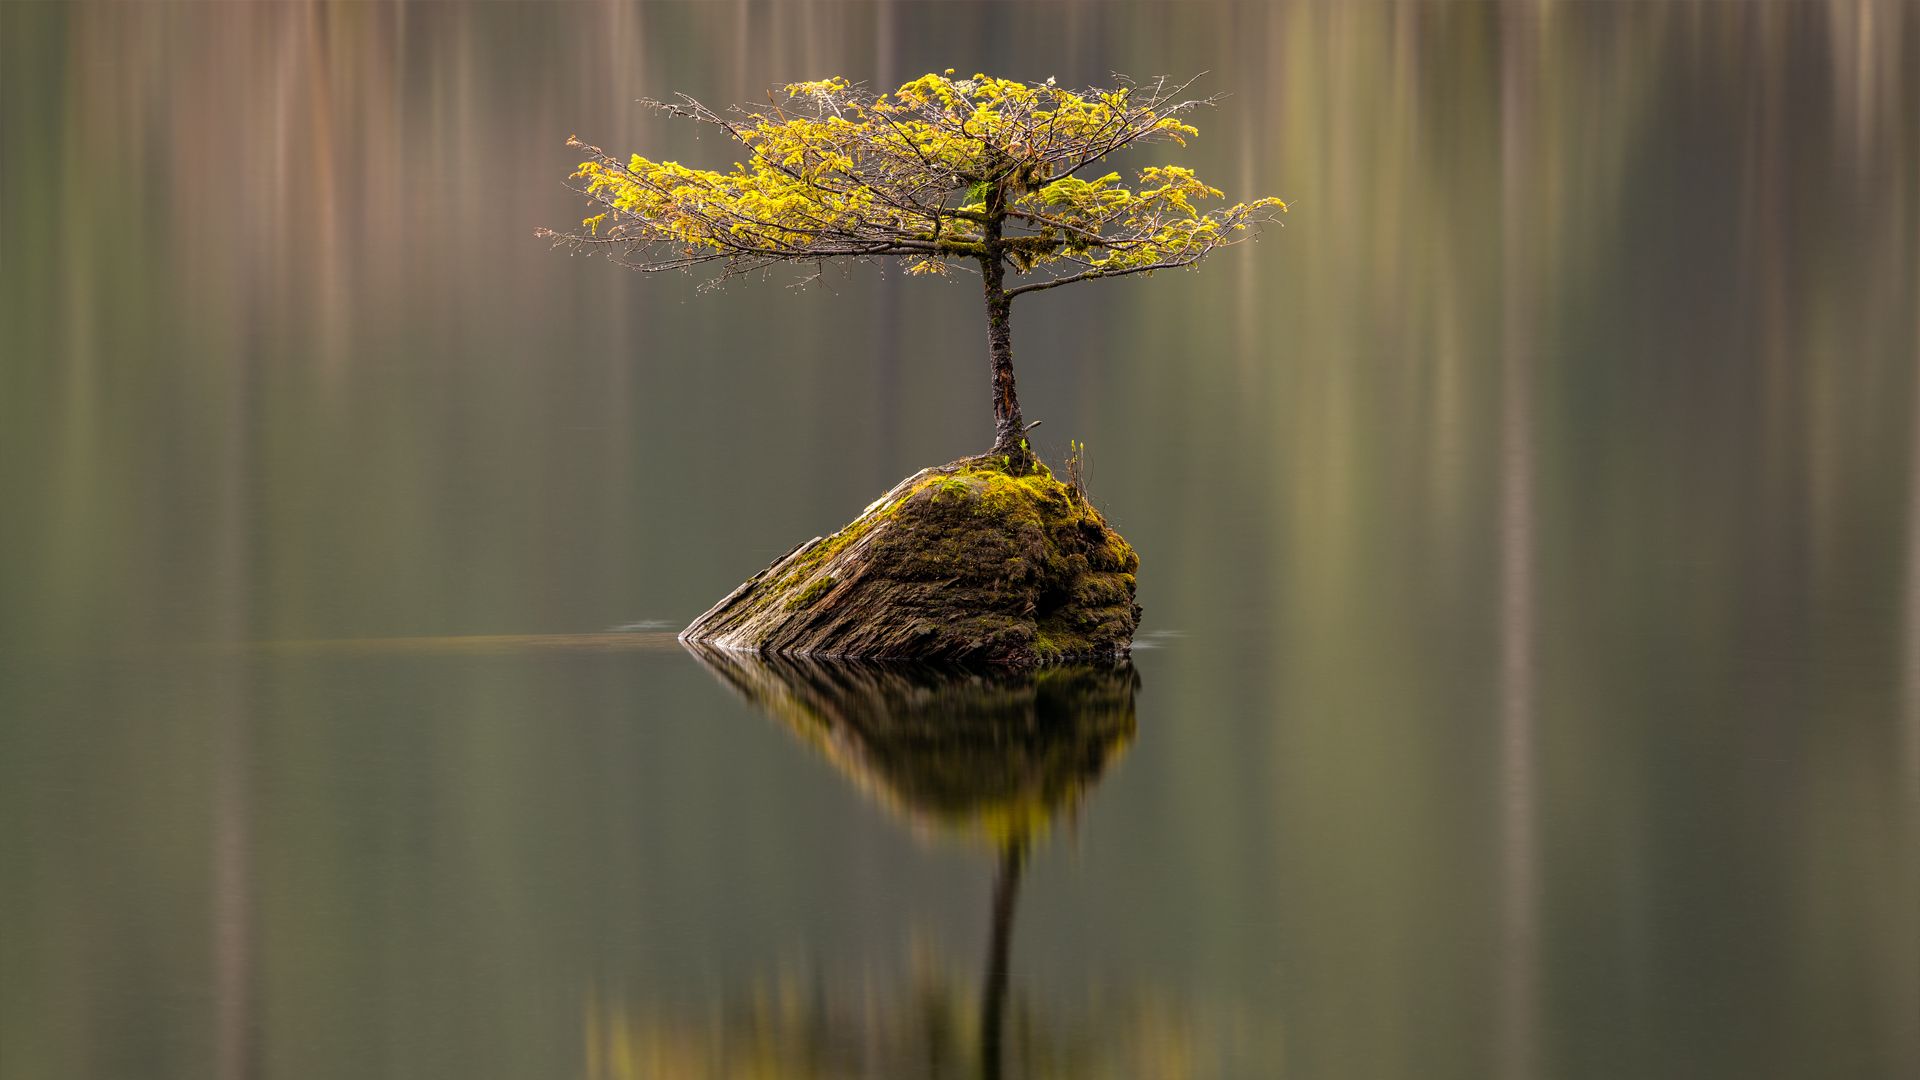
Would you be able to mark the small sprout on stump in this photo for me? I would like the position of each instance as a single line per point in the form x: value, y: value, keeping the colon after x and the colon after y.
x: 1076, y: 466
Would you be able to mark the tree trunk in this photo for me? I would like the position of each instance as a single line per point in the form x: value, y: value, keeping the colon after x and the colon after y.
x: 1009, y: 430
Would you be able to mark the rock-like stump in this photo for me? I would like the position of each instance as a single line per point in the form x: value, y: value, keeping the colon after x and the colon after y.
x: 963, y: 562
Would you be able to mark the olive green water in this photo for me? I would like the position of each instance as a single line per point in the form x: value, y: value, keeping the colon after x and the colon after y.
x: 1530, y: 541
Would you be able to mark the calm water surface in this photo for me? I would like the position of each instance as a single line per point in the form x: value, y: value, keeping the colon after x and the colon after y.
x: 1530, y: 539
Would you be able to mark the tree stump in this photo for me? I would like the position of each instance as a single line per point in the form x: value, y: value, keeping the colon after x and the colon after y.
x: 963, y: 562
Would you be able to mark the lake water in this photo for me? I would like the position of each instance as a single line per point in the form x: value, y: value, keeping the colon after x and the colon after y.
x: 1530, y: 538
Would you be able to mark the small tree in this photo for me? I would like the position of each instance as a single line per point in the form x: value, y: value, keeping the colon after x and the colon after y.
x: 943, y: 172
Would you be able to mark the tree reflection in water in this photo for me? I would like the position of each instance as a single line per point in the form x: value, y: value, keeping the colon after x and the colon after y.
x: 979, y: 757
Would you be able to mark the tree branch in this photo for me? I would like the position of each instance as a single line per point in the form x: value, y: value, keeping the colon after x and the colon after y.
x: 1097, y: 272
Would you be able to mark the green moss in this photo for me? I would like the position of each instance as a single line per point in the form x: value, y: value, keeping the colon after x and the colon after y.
x: 815, y: 589
x: 973, y: 561
x: 1048, y: 646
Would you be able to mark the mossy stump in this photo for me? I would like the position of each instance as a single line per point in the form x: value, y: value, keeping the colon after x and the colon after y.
x: 964, y: 562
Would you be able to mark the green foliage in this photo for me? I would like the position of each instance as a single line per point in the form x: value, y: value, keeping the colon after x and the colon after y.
x: 941, y: 170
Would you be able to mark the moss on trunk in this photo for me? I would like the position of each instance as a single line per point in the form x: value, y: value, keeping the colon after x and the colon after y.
x: 961, y: 562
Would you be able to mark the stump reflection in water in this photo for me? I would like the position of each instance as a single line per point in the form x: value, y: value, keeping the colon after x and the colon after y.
x: 980, y: 757
x: 985, y: 754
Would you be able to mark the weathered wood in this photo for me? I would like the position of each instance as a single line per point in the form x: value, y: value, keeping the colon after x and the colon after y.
x: 962, y: 563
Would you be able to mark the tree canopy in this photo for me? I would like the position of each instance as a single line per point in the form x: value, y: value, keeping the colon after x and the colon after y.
x: 943, y: 171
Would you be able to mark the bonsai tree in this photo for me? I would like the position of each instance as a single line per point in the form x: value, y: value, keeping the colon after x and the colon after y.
x: 942, y: 173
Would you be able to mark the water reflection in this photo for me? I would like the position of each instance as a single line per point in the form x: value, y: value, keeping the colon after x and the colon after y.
x: 983, y: 755
x: 986, y: 754
x: 980, y: 753
x: 981, y: 758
